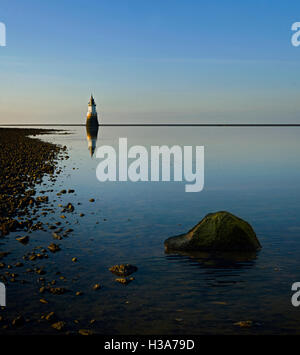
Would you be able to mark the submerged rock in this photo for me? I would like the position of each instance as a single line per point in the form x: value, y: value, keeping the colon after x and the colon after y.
x: 50, y: 317
x: 53, y: 247
x: 58, y: 325
x: 23, y: 240
x: 244, y: 323
x: 220, y: 231
x: 123, y: 269
x: 56, y: 236
x: 85, y: 332
x: 96, y: 287
x: 18, y: 321
x: 124, y: 280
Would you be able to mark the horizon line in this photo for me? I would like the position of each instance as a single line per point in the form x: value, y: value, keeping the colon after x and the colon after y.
x: 157, y: 124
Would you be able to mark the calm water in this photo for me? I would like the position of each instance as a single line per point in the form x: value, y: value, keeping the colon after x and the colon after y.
x: 251, y: 172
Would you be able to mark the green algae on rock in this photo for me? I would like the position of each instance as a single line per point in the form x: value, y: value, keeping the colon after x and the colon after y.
x: 220, y: 231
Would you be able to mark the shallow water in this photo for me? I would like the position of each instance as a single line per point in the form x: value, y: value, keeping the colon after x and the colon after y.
x: 251, y: 172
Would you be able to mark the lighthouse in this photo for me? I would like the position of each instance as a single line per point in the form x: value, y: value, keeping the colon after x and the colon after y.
x: 92, y: 117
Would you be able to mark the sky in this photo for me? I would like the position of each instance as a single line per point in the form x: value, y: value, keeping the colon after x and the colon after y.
x: 158, y: 61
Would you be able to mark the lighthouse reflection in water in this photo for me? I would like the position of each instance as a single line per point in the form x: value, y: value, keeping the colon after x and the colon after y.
x: 91, y: 136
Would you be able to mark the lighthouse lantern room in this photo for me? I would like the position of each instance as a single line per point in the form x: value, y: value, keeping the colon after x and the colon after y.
x: 92, y: 117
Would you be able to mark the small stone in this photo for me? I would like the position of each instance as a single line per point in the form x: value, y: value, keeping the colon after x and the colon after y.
x: 123, y: 269
x: 96, y: 287
x: 92, y: 200
x: 58, y: 325
x: 40, y: 271
x: 85, y: 332
x: 74, y: 260
x: 23, y: 240
x: 56, y: 236
x: 18, y: 321
x: 53, y: 248
x: 19, y: 264
x: 244, y: 323
x: 50, y: 316
x: 42, y: 300
x: 57, y: 290
x: 70, y: 207
x: 124, y: 280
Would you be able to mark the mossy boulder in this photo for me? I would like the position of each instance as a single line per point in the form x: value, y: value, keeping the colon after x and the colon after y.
x: 220, y: 231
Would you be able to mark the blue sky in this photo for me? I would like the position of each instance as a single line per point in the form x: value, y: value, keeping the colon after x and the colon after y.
x: 149, y: 61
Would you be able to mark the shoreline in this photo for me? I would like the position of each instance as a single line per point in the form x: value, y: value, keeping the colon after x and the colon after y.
x: 24, y: 161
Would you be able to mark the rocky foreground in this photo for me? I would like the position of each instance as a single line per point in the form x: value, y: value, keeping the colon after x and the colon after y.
x: 24, y: 162
x: 29, y: 269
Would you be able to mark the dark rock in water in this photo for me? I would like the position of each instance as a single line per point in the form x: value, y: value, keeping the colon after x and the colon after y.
x: 70, y: 207
x: 85, y: 332
x: 124, y: 280
x: 9, y: 225
x: 23, y: 240
x: 220, y: 231
x: 56, y: 236
x: 50, y: 316
x: 57, y: 290
x: 123, y: 269
x: 58, y: 325
x: 42, y: 199
x: 244, y: 323
x: 18, y: 321
x: 3, y: 254
x: 53, y: 248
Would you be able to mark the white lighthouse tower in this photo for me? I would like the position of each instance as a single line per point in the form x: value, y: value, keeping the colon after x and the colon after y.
x: 92, y: 117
